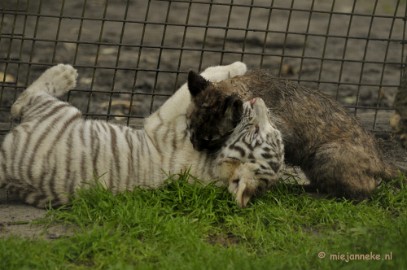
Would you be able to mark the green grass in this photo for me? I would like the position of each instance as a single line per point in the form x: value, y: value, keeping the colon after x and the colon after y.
x: 191, y: 226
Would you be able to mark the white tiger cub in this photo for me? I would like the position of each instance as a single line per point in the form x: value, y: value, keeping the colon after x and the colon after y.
x: 54, y: 150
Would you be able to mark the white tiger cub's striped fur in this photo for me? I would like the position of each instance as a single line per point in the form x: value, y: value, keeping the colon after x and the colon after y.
x: 54, y: 150
x: 253, y: 155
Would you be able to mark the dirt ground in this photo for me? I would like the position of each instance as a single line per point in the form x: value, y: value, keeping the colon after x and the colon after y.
x: 133, y: 54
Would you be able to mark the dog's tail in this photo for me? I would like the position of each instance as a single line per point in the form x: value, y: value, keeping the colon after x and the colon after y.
x: 399, y: 119
x: 392, y: 172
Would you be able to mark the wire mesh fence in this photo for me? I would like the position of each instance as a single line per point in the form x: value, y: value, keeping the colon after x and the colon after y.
x: 131, y: 55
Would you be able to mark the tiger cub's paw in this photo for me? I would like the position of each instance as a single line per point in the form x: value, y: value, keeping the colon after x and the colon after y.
x: 220, y: 73
x: 56, y: 80
x: 237, y: 69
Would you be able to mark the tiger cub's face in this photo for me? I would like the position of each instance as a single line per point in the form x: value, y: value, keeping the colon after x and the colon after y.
x: 253, y: 155
x: 249, y: 151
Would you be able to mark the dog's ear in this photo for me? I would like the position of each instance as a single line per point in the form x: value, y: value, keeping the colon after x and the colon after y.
x: 233, y: 110
x: 238, y: 111
x: 196, y: 83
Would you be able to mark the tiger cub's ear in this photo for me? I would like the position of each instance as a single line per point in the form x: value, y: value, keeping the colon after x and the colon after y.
x: 196, y: 83
x: 227, y: 167
x: 239, y: 177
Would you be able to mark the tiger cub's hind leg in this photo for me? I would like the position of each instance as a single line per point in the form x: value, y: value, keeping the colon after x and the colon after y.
x: 55, y: 81
x: 36, y: 197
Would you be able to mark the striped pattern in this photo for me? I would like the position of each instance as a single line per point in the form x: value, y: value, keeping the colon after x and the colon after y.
x: 258, y: 146
x: 58, y: 151
x: 54, y: 150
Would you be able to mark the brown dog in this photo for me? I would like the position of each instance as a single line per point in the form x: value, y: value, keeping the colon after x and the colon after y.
x: 337, y: 155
